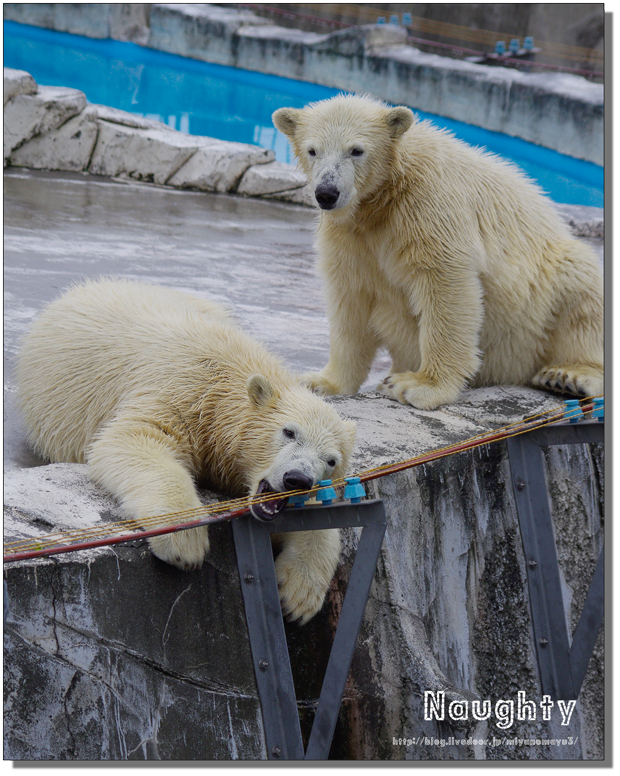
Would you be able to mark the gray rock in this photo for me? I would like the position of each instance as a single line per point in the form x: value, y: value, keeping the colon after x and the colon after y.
x: 130, y: 22
x: 116, y: 116
x: 17, y: 82
x: 162, y: 155
x: 301, y: 196
x: 90, y: 19
x: 69, y: 147
x: 145, y: 154
x: 121, y: 21
x: 195, y: 29
x: 218, y: 165
x: 358, y: 41
x: 271, y: 178
x: 27, y: 115
x: 584, y: 221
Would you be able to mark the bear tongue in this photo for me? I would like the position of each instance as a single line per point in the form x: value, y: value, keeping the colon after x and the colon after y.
x: 267, y: 510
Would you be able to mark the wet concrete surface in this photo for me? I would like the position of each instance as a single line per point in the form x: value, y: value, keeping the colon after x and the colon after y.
x: 254, y: 256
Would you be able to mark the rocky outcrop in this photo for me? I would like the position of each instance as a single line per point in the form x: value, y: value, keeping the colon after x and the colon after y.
x: 53, y: 128
x: 121, y: 21
x: 27, y: 115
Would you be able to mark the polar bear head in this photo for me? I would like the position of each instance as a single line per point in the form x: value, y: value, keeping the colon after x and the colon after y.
x: 345, y: 145
x: 297, y: 440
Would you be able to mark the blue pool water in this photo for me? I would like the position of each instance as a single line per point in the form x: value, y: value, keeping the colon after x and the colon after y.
x: 233, y: 104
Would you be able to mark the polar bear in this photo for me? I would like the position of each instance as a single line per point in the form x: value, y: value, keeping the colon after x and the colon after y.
x: 446, y: 255
x: 155, y: 389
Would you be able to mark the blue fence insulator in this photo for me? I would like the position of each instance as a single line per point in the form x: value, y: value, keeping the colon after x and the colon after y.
x: 381, y: 20
x: 573, y: 412
x: 515, y: 45
x: 528, y: 43
x: 326, y: 494
x: 394, y: 19
x: 406, y: 19
x: 354, y: 490
x: 599, y: 409
x: 500, y: 47
x: 298, y: 501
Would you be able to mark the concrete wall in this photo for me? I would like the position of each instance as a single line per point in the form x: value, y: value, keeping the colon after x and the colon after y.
x: 552, y: 25
x: 100, y: 667
x: 559, y: 111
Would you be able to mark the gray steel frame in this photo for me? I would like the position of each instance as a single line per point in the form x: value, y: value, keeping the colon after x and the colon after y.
x: 562, y: 665
x: 266, y: 627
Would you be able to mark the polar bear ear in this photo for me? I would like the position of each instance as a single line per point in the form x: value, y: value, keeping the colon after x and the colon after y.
x: 286, y: 120
x: 398, y: 120
x: 261, y: 391
x: 350, y: 430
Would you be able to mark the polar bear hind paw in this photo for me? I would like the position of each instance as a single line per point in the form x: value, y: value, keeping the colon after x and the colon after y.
x: 416, y: 389
x: 184, y: 549
x: 575, y: 380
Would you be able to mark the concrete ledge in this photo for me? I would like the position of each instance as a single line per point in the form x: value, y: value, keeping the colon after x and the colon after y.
x: 121, y: 21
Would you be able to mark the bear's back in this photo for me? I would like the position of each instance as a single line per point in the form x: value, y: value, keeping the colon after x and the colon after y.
x: 102, y: 342
x: 453, y: 169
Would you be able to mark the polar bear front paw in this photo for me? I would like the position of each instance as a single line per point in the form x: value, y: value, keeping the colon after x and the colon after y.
x: 418, y: 390
x: 319, y: 384
x: 184, y: 549
x: 302, y: 589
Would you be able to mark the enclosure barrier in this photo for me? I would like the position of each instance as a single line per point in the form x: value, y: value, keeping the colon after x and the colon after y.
x: 562, y: 663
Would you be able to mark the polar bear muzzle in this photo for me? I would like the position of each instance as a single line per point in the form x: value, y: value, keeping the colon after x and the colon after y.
x: 326, y: 196
x: 292, y: 480
x: 266, y: 511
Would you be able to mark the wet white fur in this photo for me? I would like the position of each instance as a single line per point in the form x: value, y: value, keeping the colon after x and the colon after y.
x: 449, y: 257
x: 156, y: 389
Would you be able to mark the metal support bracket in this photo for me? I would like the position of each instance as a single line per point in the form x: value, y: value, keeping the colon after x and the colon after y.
x: 272, y: 666
x: 562, y: 664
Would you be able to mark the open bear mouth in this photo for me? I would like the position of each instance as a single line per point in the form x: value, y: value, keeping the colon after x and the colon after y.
x: 267, y: 510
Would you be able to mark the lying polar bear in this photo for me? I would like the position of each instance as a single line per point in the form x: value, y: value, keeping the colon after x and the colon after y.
x: 156, y: 389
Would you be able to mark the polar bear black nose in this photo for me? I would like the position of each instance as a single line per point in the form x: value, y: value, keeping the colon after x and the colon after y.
x: 296, y: 480
x: 326, y: 195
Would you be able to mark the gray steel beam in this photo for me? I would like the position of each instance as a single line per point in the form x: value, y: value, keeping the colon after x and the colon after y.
x: 561, y: 665
x: 266, y: 628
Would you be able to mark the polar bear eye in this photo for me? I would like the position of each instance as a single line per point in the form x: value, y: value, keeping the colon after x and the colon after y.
x: 311, y: 152
x: 331, y: 463
x: 357, y: 152
x: 288, y: 432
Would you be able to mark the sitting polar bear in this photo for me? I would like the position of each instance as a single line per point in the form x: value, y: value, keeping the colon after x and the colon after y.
x: 154, y: 389
x: 446, y: 255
